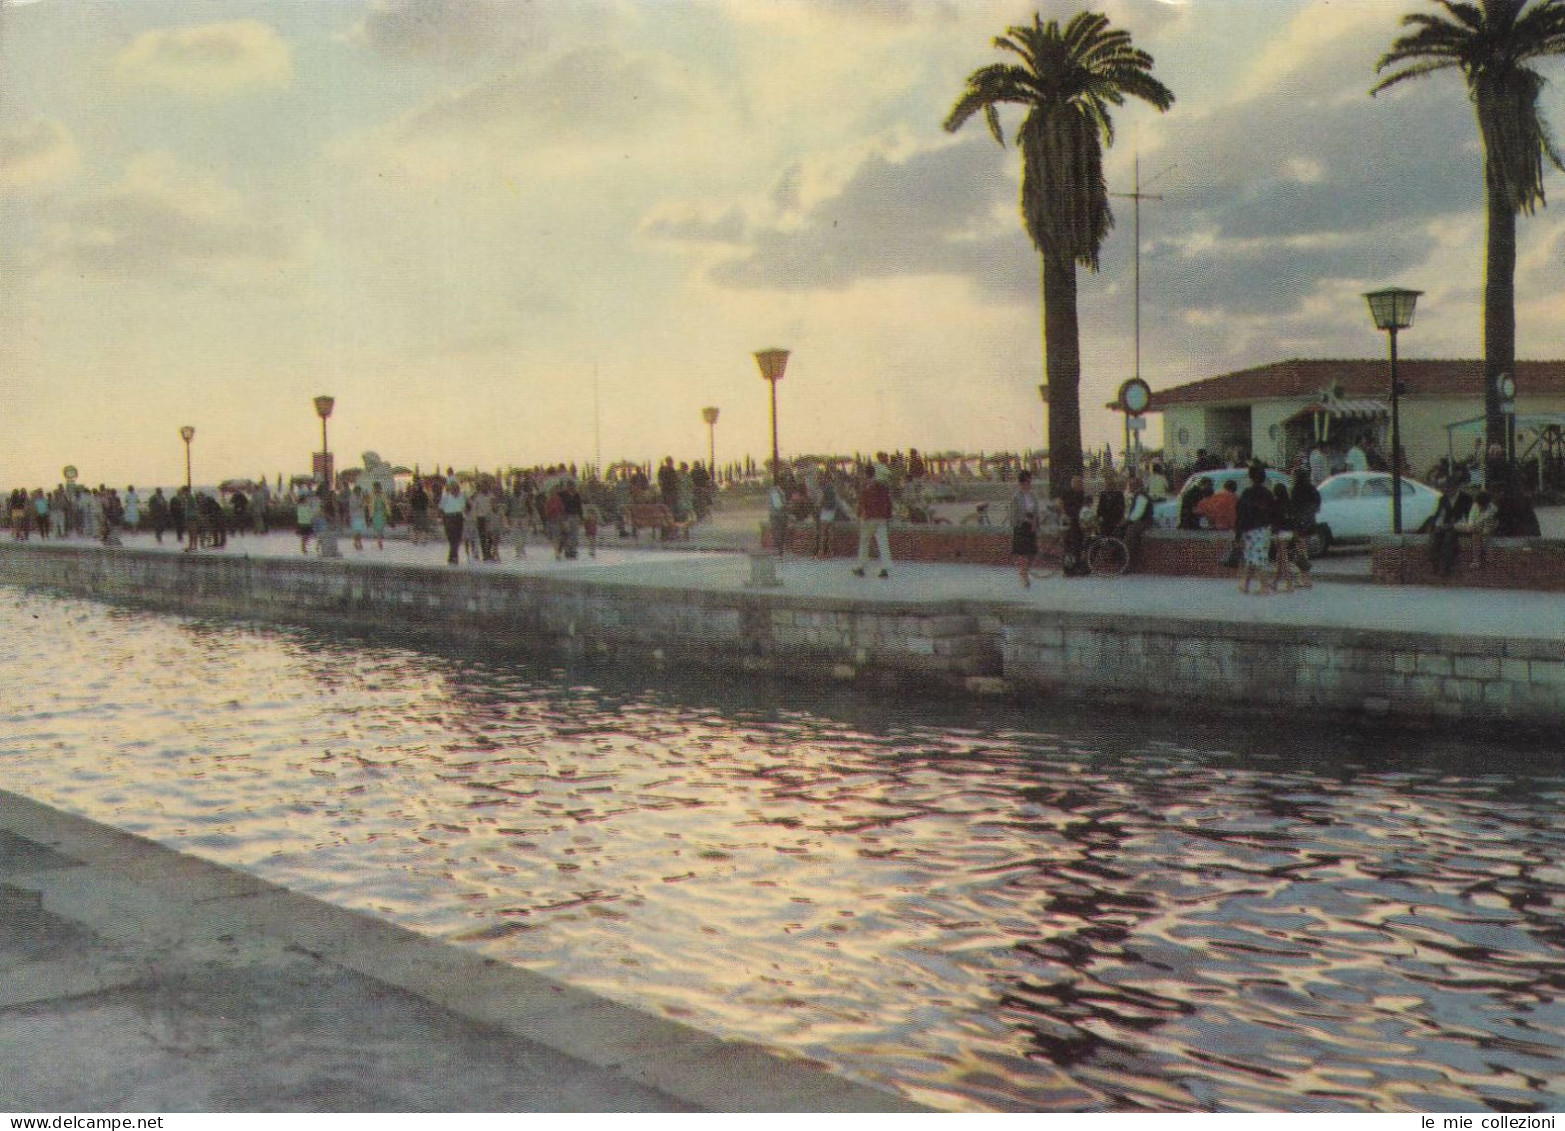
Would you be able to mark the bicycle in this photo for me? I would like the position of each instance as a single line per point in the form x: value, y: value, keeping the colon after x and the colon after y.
x: 1106, y: 554
x: 1101, y: 553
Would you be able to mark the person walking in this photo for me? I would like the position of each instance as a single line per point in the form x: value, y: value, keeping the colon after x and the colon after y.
x: 1303, y: 506
x: 304, y: 519
x: 1026, y: 516
x: 157, y: 513
x: 380, y: 513
x: 356, y: 518
x: 777, y: 515
x: 826, y: 513
x: 179, y: 512
x: 1253, y: 531
x: 418, y: 512
x: 453, y: 507
x: 132, y: 505
x: 874, y: 522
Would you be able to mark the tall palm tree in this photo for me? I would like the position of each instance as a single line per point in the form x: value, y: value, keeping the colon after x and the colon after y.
x: 1492, y: 42
x: 1067, y: 80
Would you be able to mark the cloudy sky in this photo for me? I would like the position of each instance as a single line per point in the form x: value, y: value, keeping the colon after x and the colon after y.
x: 510, y: 231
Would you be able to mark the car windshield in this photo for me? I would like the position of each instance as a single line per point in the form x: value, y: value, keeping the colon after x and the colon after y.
x: 1342, y: 489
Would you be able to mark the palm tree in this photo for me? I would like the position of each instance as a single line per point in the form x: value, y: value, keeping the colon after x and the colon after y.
x: 1067, y: 80
x: 1492, y: 42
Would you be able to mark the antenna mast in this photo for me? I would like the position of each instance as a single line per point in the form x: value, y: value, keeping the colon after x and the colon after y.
x: 1138, y: 196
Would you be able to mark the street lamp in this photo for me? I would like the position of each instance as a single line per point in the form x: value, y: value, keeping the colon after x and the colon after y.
x: 772, y: 363
x: 187, y: 434
x: 323, y: 407
x: 709, y: 414
x: 328, y: 538
x: 1392, y: 310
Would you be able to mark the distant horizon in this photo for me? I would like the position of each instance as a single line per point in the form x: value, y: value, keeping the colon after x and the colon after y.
x: 530, y: 233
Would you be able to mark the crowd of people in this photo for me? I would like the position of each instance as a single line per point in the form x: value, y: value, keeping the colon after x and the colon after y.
x: 476, y: 514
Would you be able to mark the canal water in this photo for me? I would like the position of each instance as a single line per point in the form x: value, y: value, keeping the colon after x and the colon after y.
x: 983, y: 907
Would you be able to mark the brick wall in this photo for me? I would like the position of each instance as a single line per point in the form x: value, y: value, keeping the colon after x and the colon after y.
x: 1509, y: 563
x: 1167, y: 553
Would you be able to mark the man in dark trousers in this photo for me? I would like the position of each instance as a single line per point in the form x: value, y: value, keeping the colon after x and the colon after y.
x: 874, y: 522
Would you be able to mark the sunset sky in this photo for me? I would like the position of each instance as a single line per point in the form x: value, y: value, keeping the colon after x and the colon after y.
x: 504, y: 232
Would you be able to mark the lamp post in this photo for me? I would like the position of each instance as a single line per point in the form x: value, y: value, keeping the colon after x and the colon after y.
x: 323, y: 407
x: 187, y: 434
x: 327, y: 541
x: 709, y: 414
x: 1392, y: 310
x: 773, y: 362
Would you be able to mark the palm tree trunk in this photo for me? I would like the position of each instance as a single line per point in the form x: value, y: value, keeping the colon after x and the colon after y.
x: 1499, y: 310
x: 1062, y: 366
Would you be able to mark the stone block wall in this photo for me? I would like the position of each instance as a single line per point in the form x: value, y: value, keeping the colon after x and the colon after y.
x: 983, y: 648
x: 1335, y: 671
x: 729, y: 629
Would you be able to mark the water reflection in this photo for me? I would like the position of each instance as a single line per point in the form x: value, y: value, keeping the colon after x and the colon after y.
x: 984, y: 907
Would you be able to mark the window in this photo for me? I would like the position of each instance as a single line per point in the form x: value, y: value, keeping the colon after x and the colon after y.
x: 1375, y: 489
x: 1341, y: 489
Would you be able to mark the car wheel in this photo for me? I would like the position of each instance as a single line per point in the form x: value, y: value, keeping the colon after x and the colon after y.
x: 1320, y: 540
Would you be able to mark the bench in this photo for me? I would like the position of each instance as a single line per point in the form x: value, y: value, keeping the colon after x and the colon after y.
x: 658, y: 517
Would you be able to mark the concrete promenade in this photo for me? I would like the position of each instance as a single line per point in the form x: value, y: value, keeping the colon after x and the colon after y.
x: 1341, y: 598
x: 134, y: 979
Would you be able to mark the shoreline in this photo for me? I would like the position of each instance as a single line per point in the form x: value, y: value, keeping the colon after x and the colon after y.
x: 1347, y: 650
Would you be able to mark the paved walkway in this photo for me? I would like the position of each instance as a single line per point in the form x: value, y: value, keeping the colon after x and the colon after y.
x: 135, y: 979
x: 1340, y: 599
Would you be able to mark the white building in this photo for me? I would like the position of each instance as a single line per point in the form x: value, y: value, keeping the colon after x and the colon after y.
x: 1277, y: 412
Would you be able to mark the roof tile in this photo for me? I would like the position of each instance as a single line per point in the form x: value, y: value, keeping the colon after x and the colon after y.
x: 1356, y: 377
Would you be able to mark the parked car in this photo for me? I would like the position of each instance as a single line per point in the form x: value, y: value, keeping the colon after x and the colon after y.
x: 1165, y: 515
x: 1357, y: 504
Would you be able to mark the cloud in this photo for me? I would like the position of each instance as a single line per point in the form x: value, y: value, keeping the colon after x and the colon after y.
x: 929, y: 212
x: 543, y: 122
x: 209, y: 60
x: 163, y: 223
x: 35, y: 153
x: 447, y: 32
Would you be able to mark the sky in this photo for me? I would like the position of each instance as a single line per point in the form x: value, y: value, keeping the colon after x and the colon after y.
x: 505, y: 232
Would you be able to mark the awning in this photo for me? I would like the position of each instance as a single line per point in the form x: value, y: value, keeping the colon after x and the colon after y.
x: 1342, y: 410
x: 1329, y: 412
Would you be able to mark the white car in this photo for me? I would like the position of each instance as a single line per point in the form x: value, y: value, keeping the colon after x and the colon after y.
x: 1165, y: 515
x: 1357, y: 505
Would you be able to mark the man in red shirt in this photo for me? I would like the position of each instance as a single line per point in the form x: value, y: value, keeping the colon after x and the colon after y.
x: 1220, y: 509
x: 874, y: 522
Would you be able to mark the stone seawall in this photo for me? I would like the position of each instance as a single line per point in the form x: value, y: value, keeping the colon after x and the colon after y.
x: 1324, y: 671
x: 749, y: 630
x: 967, y: 646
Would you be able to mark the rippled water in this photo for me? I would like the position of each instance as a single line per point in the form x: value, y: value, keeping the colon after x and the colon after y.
x: 982, y: 907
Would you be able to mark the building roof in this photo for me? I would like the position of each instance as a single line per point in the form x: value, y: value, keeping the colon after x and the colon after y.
x: 1307, y: 378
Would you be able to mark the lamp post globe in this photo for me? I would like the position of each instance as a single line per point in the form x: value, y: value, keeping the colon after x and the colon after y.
x: 773, y: 363
x: 187, y: 434
x: 1392, y: 310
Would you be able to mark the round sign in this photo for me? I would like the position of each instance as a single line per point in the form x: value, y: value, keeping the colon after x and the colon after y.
x: 69, y: 473
x: 1134, y: 396
x: 1506, y: 385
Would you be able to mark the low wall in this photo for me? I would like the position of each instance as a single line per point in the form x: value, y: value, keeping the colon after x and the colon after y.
x: 985, y: 648
x: 1508, y: 563
x: 1168, y: 553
